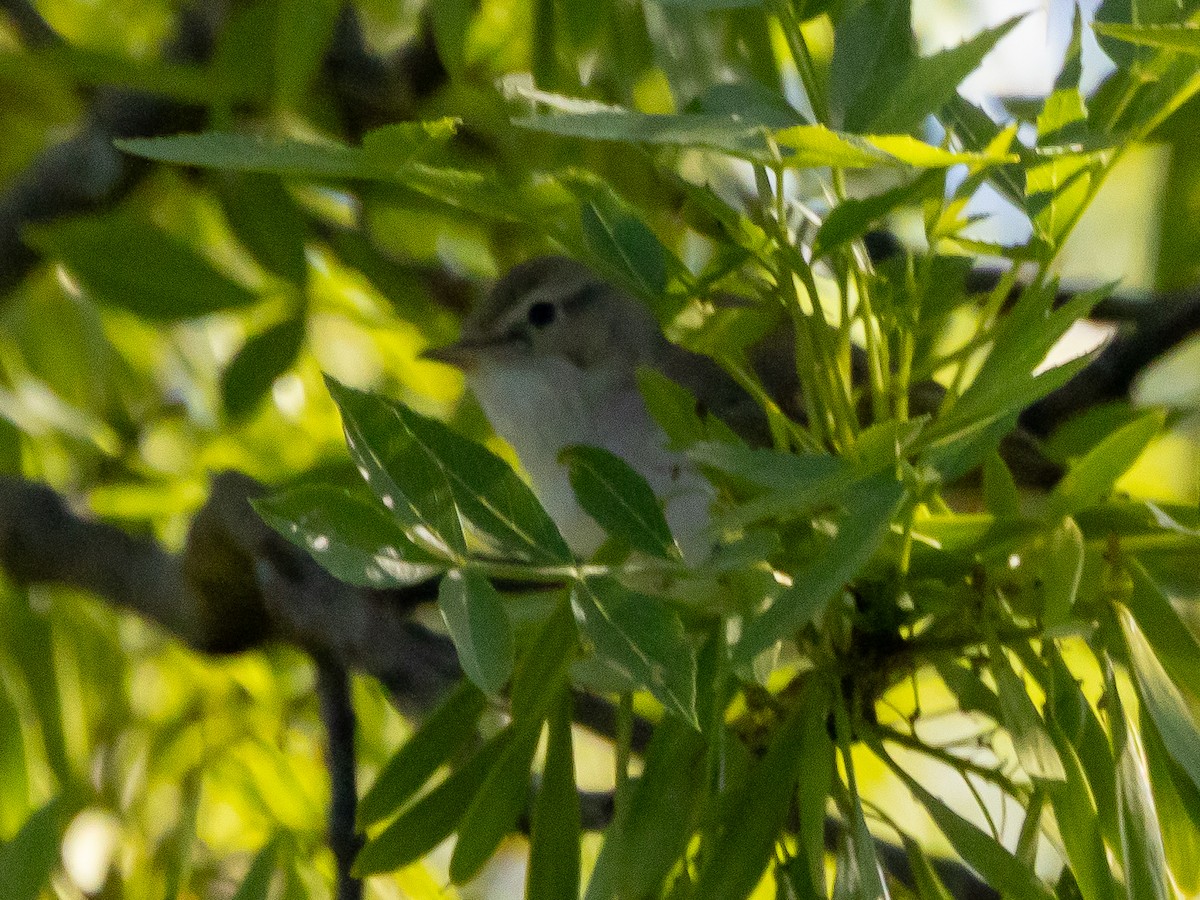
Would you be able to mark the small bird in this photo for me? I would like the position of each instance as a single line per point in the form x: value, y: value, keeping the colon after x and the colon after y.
x: 552, y: 355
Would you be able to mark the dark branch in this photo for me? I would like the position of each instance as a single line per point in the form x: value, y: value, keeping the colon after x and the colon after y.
x: 29, y: 24
x: 337, y: 712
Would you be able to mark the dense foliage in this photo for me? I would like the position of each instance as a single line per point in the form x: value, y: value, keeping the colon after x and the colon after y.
x: 905, y: 646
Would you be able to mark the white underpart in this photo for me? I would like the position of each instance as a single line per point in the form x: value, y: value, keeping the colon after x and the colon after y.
x: 545, y: 404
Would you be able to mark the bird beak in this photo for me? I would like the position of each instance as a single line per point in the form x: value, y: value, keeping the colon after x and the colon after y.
x: 461, y: 354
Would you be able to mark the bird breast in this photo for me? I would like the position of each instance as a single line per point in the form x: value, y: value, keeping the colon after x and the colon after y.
x: 541, y: 405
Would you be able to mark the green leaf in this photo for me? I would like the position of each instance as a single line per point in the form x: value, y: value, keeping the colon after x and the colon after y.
x: 980, y: 851
x: 1062, y: 571
x: 451, y: 22
x: 130, y: 264
x: 1089, y: 480
x: 626, y: 247
x: 871, y: 506
x: 478, y: 623
x: 256, y: 885
x: 267, y: 222
x: 912, y: 152
x: 1142, y: 854
x: 931, y: 81
x: 14, y: 763
x: 391, y: 147
x: 431, y: 819
x: 757, y: 819
x: 431, y: 477
x: 251, y: 374
x: 851, y: 219
x: 1178, y: 804
x: 1175, y: 645
x: 653, y: 830
x: 925, y: 878
x: 725, y: 133
x: 1184, y: 37
x: 873, y: 50
x: 251, y: 153
x: 554, y: 838
x: 641, y: 639
x: 1000, y: 494
x: 545, y: 665
x: 498, y: 803
x: 619, y: 499
x: 32, y: 856
x: 1035, y: 750
x: 1162, y: 699
x: 182, y: 82
x: 1078, y: 821
x: 303, y: 29
x: 673, y: 407
x: 350, y: 535
x: 976, y: 130
x: 441, y: 736
x: 814, y: 146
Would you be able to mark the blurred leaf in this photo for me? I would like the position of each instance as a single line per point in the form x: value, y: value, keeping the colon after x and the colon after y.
x: 1167, y: 707
x: 871, y: 505
x: 1091, y: 478
x: 652, y: 832
x: 263, y: 358
x: 872, y: 50
x: 350, y: 535
x: 725, y: 133
x: 1174, y: 644
x: 925, y: 878
x: 1177, y: 801
x: 392, y: 147
x: 303, y: 29
x: 626, y: 247
x: 814, y: 146
x: 639, y: 637
x: 851, y: 218
x: 451, y: 21
x: 544, y: 666
x: 32, y: 856
x: 1000, y: 494
x: 918, y: 154
x: 1034, y: 748
x: 554, y: 838
x: 1061, y: 572
x: 130, y: 264
x: 980, y: 851
x: 1072, y: 713
x: 477, y: 621
x: 256, y: 885
x: 182, y: 82
x: 430, y: 820
x: 1142, y: 853
x: 930, y: 81
x: 619, y: 499
x: 753, y: 822
x: 249, y: 153
x: 977, y: 131
x: 267, y: 222
x: 1078, y: 821
x: 14, y: 786
x: 442, y: 735
x: 432, y: 477
x: 1184, y: 38
x: 498, y: 803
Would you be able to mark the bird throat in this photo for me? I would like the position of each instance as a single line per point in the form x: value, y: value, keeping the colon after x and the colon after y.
x: 544, y: 404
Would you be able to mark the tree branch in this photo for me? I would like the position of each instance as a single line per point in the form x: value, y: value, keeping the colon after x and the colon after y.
x: 34, y: 30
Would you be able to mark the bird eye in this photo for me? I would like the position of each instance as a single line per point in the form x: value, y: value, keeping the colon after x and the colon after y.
x: 542, y: 314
